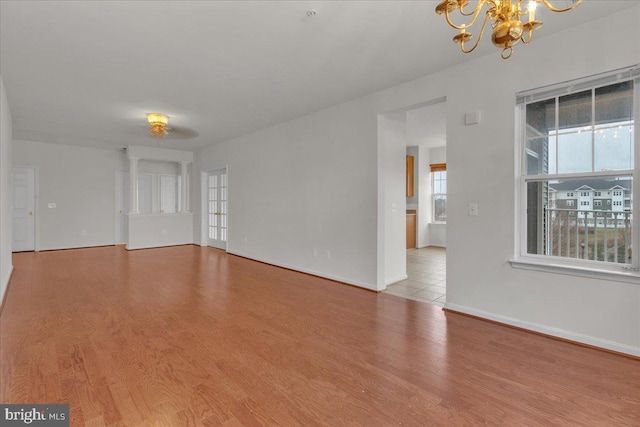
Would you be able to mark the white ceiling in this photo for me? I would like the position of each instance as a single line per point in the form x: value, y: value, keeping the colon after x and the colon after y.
x: 87, y: 72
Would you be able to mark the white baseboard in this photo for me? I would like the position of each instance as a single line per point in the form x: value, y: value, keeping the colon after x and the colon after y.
x: 306, y: 270
x: 547, y: 330
x: 395, y: 280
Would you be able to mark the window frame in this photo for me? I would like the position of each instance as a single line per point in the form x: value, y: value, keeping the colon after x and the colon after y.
x: 564, y: 265
x: 436, y: 168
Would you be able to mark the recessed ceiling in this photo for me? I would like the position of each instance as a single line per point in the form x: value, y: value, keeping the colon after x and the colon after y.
x: 88, y: 72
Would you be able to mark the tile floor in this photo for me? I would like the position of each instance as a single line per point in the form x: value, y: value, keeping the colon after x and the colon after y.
x: 427, y: 280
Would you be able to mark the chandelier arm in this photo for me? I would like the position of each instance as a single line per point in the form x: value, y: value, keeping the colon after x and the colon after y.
x: 555, y: 9
x: 484, y: 25
x: 527, y: 41
x: 464, y: 26
x: 521, y: 12
x: 478, y: 7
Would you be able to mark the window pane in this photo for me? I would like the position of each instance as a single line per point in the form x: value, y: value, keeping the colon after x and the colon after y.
x: 614, y: 103
x: 574, y: 152
x: 541, y: 156
x: 574, y: 111
x: 614, y: 148
x: 541, y: 118
x: 581, y: 218
x: 440, y: 209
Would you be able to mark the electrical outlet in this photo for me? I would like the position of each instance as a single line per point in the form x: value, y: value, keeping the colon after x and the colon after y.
x: 84, y: 232
x: 473, y: 209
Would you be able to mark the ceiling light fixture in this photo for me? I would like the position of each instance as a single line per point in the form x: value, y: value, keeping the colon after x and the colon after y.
x: 506, y: 17
x: 158, y: 123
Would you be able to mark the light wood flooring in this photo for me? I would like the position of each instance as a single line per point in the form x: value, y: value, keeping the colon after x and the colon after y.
x: 192, y: 336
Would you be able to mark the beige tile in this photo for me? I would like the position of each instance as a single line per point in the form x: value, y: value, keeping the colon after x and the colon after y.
x: 427, y: 294
x: 426, y: 282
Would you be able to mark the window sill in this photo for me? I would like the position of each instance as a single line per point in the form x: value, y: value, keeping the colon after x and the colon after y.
x: 625, y: 276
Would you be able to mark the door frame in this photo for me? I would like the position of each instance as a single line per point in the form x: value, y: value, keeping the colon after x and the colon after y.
x: 115, y: 201
x: 36, y: 200
x: 204, y: 206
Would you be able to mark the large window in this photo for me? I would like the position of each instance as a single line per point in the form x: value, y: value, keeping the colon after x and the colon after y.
x: 439, y: 185
x: 578, y: 172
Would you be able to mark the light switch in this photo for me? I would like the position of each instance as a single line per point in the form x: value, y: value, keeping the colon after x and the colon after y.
x: 51, y: 205
x: 472, y: 118
x: 473, y: 209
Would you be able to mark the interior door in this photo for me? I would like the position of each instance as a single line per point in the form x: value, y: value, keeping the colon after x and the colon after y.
x: 168, y: 194
x: 122, y: 207
x: 217, y: 208
x: 24, y: 224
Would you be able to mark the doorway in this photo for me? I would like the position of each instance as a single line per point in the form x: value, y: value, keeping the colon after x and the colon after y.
x: 217, y: 209
x: 24, y: 209
x: 122, y: 207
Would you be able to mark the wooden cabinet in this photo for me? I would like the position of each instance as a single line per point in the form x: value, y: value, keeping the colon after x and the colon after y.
x: 410, y: 190
x: 411, y: 229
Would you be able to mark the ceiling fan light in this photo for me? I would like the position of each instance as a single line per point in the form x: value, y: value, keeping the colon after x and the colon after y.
x: 158, y: 131
x: 157, y: 119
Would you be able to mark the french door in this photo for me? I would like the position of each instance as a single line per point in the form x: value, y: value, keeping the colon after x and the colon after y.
x: 217, y: 208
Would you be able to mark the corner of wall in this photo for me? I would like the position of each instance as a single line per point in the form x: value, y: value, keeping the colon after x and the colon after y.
x: 6, y: 141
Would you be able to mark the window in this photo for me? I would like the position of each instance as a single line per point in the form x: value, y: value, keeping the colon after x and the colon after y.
x: 579, y: 134
x: 439, y: 185
x: 597, y: 193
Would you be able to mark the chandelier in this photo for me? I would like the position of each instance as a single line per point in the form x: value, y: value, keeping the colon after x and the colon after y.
x: 507, y: 20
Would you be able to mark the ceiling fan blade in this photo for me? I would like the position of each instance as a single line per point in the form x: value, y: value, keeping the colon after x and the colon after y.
x: 177, y: 132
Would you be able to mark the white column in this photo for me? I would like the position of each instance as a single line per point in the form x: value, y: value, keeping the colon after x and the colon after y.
x: 133, y: 185
x: 184, y: 200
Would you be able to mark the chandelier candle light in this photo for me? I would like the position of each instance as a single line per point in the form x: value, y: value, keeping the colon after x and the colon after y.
x: 506, y: 20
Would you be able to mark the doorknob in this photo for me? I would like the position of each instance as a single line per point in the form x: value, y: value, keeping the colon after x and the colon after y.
x: 119, y: 212
x: 30, y: 213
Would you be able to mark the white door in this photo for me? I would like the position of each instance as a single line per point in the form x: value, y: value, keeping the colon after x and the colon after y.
x: 24, y: 224
x: 168, y: 194
x: 122, y: 206
x: 217, y: 208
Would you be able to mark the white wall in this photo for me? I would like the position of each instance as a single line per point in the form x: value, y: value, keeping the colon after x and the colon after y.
x: 157, y: 230
x: 6, y: 192
x: 393, y: 210
x: 81, y: 182
x: 304, y: 185
x: 312, y: 182
x: 424, y: 201
x: 438, y: 155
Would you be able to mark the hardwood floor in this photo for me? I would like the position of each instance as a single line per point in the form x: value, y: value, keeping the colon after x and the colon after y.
x: 192, y: 336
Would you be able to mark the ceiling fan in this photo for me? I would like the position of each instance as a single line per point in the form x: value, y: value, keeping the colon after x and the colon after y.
x: 159, y: 128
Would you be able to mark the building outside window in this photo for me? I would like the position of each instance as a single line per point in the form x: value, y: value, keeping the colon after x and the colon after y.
x: 578, y: 139
x: 439, y: 186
